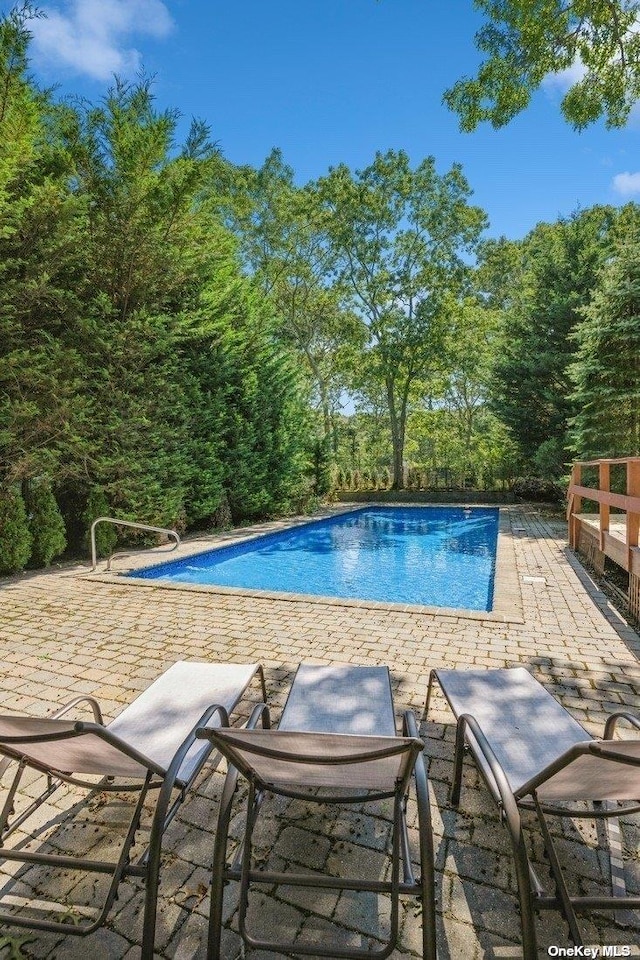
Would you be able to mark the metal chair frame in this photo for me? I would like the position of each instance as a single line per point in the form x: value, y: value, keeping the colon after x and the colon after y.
x: 532, y: 894
x: 241, y: 870
x: 172, y: 791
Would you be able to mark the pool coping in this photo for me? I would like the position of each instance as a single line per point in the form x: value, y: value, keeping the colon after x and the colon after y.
x: 507, y: 596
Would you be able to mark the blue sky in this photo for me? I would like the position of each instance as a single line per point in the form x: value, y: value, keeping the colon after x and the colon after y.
x: 332, y: 81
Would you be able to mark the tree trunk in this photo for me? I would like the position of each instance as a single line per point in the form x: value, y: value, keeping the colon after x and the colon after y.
x: 397, y: 421
x: 325, y: 405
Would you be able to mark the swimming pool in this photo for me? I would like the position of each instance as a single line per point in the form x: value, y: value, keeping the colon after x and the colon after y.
x: 436, y: 556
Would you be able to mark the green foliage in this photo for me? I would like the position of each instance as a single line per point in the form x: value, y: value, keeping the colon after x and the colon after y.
x: 530, y: 390
x: 41, y: 275
x: 45, y: 522
x: 606, y: 371
x: 400, y: 236
x: 550, y: 459
x: 322, y: 466
x: 139, y: 369
x: 15, y: 537
x: 537, y: 490
x: 527, y: 41
x: 282, y: 234
x: 106, y: 535
x: 14, y: 945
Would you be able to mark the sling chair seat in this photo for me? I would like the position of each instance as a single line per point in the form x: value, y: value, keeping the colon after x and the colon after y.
x: 336, y: 743
x: 534, y: 755
x: 151, y: 745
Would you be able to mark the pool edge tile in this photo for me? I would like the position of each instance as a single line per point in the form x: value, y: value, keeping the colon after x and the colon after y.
x: 507, y: 596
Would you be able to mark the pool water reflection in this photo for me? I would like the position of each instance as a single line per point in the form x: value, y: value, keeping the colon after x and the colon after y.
x: 438, y: 556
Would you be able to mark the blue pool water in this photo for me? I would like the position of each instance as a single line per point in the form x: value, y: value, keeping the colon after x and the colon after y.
x: 441, y: 556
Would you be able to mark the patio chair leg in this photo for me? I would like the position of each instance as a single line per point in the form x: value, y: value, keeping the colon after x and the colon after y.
x: 427, y: 864
x: 427, y: 859
x: 153, y: 869
x: 556, y: 870
x: 219, y: 864
x: 523, y: 879
x: 456, y: 783
x: 432, y: 676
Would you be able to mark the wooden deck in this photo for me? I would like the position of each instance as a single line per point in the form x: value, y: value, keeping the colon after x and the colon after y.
x: 611, y: 543
x: 607, y: 534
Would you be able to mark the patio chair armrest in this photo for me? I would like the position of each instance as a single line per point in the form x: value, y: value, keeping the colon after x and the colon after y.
x: 193, y: 735
x: 612, y: 722
x: 409, y: 725
x: 410, y: 729
x: 505, y: 793
x: 82, y: 726
x: 93, y: 703
x: 259, y: 712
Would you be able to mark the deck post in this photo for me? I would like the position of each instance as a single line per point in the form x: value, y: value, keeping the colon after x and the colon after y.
x: 633, y: 528
x: 633, y: 490
x: 604, y: 483
x: 576, y: 506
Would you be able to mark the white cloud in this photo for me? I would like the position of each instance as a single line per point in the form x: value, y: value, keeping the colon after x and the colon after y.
x: 562, y: 80
x: 626, y: 183
x: 94, y: 36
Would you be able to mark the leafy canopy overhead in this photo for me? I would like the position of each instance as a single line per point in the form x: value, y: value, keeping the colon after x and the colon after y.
x: 596, y: 41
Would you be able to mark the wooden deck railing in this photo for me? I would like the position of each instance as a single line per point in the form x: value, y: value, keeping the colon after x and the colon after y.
x: 623, y: 549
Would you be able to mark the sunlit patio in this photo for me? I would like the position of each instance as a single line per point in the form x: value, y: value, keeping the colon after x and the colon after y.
x: 66, y: 632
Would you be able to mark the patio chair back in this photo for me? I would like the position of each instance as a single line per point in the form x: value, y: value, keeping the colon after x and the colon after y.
x: 66, y: 748
x: 276, y: 758
x: 596, y: 770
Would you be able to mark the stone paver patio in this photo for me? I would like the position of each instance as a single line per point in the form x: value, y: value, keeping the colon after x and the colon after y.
x: 63, y: 633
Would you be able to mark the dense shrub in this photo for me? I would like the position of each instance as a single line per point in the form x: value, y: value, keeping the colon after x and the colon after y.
x: 15, y: 537
x: 550, y: 458
x: 45, y: 523
x: 106, y: 536
x: 322, y: 467
x: 538, y: 490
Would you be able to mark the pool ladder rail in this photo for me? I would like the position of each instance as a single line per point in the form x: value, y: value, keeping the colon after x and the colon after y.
x: 173, y: 534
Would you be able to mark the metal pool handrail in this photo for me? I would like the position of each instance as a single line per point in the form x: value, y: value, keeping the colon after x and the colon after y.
x: 127, y: 523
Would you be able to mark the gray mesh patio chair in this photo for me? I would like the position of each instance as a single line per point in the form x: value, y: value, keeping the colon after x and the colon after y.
x: 533, y: 755
x: 336, y: 743
x: 150, y: 746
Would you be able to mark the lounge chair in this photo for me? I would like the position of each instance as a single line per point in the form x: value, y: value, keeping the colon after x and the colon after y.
x: 151, y: 745
x: 336, y: 743
x: 533, y: 755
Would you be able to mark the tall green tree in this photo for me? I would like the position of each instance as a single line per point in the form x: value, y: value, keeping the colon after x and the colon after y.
x: 472, y: 346
x: 401, y: 234
x: 140, y: 371
x: 606, y: 370
x: 146, y: 259
x: 283, y: 240
x: 553, y: 273
x: 186, y: 405
x: 526, y: 40
x: 42, y: 273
